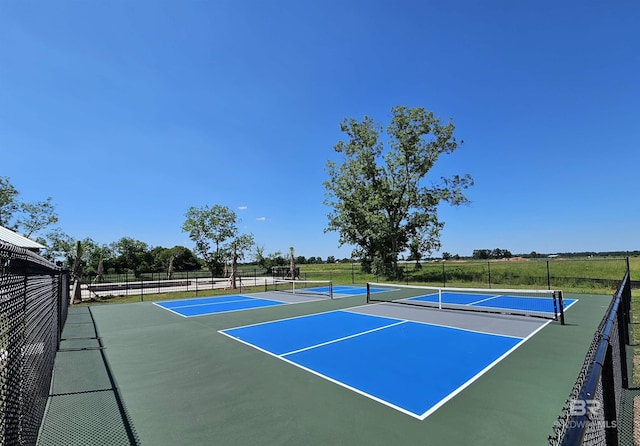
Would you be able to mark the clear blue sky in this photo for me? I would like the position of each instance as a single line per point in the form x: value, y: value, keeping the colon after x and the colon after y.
x: 128, y: 112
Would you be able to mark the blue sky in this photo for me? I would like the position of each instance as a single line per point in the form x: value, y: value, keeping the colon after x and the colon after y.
x: 128, y: 112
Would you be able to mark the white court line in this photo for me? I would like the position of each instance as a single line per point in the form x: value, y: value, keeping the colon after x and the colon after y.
x: 484, y: 300
x: 328, y: 378
x: 474, y: 378
x: 433, y: 408
x: 247, y: 299
x: 343, y: 338
x: 212, y: 303
x: 168, y: 309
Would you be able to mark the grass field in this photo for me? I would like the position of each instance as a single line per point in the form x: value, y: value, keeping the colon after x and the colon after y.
x: 587, y: 275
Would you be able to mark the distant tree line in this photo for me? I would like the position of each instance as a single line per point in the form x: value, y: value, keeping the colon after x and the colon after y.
x: 218, y: 242
x: 491, y: 254
x: 483, y: 254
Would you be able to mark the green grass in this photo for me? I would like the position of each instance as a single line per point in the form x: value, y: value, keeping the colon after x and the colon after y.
x: 575, y: 275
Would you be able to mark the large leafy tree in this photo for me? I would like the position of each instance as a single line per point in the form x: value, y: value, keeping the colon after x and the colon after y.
x: 214, y: 230
x: 380, y: 201
x: 131, y: 254
x: 183, y: 259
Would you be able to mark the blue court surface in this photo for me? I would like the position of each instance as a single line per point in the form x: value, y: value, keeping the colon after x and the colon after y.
x: 525, y: 304
x: 413, y: 367
x: 201, y: 306
x: 216, y: 304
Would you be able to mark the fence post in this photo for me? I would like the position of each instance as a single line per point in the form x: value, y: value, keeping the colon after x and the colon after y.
x: 406, y: 275
x: 609, y: 395
x: 352, y: 274
x: 548, y: 276
x: 489, y: 272
x: 444, y: 275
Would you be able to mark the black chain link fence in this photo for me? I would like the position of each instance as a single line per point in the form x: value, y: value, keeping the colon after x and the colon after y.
x: 33, y: 309
x: 577, y: 275
x: 591, y: 415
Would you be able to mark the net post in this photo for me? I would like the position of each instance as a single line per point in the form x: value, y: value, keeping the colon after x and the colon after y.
x: 368, y: 292
x: 557, y: 300
x: 331, y: 290
x: 439, y: 298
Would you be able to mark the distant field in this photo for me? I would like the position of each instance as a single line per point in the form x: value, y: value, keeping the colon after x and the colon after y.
x: 599, y: 275
x: 572, y: 275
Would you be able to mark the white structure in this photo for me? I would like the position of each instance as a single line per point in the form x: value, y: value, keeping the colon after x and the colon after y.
x: 8, y: 236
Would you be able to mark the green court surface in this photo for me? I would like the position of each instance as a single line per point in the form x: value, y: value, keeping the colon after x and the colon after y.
x: 183, y: 383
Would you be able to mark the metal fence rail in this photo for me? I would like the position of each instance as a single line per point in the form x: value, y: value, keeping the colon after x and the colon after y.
x: 596, y: 274
x: 590, y: 415
x: 33, y: 307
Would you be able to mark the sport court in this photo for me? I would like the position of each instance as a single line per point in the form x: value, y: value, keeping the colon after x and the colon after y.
x: 183, y: 382
x: 202, y: 306
x: 395, y: 354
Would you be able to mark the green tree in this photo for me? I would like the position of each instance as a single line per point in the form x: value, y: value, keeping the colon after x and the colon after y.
x: 28, y: 218
x: 482, y: 254
x: 379, y: 202
x: 131, y: 255
x: 183, y: 259
x: 36, y: 216
x: 8, y: 202
x: 214, y: 230
x: 207, y: 226
x: 60, y: 247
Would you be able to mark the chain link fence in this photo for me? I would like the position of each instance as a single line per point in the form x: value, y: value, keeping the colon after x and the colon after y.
x: 33, y: 308
x: 590, y: 416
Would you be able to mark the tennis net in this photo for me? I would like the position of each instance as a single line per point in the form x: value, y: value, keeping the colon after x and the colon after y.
x: 319, y: 288
x: 547, y: 304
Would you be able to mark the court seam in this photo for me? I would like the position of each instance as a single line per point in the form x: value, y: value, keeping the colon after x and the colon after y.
x: 344, y: 338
